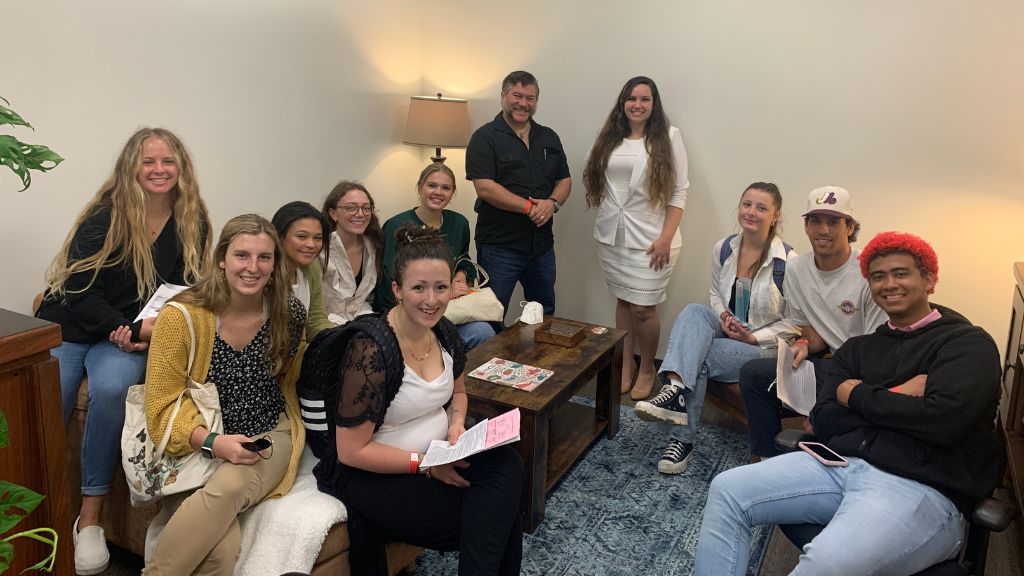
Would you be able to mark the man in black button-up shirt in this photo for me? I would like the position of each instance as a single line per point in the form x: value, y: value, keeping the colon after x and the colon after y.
x: 521, y: 178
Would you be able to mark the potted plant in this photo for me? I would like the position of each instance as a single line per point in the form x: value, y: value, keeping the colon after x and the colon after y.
x: 16, y: 501
x: 19, y: 156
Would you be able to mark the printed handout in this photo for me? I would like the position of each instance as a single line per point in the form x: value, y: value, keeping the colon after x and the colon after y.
x: 487, y: 434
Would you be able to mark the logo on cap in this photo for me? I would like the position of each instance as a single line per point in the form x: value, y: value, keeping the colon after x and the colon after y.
x: 827, y: 198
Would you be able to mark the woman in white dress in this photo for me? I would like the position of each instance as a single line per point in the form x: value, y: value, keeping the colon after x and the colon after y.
x: 636, y: 175
x: 353, y: 257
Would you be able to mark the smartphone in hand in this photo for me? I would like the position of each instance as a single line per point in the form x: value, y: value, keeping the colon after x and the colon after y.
x: 257, y: 445
x: 822, y: 453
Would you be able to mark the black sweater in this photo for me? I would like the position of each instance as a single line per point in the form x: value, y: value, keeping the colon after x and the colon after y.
x: 89, y: 316
x: 945, y: 439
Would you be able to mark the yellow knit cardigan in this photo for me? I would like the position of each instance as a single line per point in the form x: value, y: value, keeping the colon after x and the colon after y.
x: 165, y: 378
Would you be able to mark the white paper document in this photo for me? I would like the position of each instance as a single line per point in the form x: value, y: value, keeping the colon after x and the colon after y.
x: 487, y: 434
x: 797, y: 387
x: 164, y: 293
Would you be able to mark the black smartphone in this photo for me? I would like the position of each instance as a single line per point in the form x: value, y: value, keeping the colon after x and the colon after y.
x: 257, y: 445
x: 822, y: 453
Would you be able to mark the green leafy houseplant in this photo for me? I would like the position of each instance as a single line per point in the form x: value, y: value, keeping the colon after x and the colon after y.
x: 21, y: 157
x: 16, y: 502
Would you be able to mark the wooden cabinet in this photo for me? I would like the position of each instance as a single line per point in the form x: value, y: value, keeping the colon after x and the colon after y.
x: 1011, y: 406
x: 35, y: 458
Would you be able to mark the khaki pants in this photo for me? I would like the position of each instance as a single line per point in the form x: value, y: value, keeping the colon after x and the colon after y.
x: 203, y: 537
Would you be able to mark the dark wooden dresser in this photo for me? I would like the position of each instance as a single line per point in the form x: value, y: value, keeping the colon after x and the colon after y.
x: 35, y: 458
x: 1011, y: 406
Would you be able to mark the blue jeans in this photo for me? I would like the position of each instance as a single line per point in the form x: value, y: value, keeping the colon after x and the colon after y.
x: 877, y: 523
x: 111, y: 372
x: 699, y: 350
x: 475, y: 333
x: 506, y: 267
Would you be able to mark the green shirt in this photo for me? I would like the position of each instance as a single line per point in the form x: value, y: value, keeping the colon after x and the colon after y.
x: 454, y: 230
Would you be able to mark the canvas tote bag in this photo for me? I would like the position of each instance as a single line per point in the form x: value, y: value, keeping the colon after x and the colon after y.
x: 151, y: 473
x: 479, y: 305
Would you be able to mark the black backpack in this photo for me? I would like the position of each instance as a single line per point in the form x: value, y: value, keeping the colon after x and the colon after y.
x: 318, y: 382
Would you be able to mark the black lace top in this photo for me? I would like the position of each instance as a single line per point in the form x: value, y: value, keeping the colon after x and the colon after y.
x: 250, y: 399
x: 367, y: 391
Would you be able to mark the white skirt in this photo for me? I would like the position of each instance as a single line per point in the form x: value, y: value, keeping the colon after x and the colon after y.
x: 629, y: 275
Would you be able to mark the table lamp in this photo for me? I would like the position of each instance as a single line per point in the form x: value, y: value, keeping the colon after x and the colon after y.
x: 436, y: 121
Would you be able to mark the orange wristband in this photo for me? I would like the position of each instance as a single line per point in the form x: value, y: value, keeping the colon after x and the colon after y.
x: 526, y: 209
x: 414, y: 462
x: 895, y: 389
x: 801, y: 341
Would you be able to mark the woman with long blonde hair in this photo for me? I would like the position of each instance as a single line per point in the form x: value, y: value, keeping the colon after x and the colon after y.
x: 146, y: 226
x: 636, y: 176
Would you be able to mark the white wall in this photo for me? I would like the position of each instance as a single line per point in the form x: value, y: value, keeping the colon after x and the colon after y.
x: 917, y: 107
x: 276, y: 100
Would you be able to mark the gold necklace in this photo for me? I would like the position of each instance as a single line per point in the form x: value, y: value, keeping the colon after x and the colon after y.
x: 430, y: 344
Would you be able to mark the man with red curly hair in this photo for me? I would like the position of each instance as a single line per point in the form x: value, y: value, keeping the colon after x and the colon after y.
x: 911, y: 407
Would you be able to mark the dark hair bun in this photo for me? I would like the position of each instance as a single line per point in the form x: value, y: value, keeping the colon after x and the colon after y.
x: 415, y: 242
x: 415, y: 234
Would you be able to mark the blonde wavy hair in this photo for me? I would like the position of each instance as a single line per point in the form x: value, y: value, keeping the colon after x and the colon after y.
x: 213, y: 293
x: 128, y: 239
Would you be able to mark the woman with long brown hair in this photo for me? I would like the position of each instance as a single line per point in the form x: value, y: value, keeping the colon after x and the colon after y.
x: 636, y: 175
x: 247, y: 334
x: 147, y: 225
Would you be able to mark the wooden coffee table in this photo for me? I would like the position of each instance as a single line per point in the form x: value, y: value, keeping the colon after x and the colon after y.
x: 554, y: 432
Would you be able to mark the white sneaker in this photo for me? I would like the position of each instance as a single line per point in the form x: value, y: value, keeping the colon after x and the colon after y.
x: 91, y: 554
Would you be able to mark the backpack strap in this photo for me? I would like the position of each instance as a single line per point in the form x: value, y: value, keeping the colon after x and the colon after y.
x: 779, y: 269
x: 726, y: 249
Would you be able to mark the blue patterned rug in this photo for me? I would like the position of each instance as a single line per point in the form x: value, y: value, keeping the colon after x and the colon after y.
x: 615, y: 514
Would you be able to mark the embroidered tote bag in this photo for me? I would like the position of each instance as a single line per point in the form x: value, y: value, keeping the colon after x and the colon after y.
x: 151, y: 473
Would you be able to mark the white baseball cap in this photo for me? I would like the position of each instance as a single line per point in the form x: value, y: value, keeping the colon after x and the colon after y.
x: 832, y: 200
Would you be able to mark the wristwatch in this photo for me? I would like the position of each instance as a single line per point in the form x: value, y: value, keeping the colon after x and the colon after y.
x: 558, y: 205
x: 208, y: 445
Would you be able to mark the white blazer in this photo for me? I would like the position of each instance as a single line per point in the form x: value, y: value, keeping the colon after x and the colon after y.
x: 767, y: 305
x: 343, y: 299
x: 641, y: 223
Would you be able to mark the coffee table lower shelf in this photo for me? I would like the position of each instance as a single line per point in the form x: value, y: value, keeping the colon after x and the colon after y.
x: 572, y: 429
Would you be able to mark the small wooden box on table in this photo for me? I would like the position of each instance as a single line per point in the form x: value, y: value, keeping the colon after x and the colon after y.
x: 554, y: 432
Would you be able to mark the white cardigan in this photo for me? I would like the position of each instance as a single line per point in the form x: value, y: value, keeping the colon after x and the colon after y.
x: 343, y: 300
x: 767, y: 305
x: 641, y: 223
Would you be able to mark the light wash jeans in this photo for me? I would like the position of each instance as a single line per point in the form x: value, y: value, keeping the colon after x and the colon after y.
x: 698, y: 349
x: 877, y: 523
x: 474, y: 334
x: 111, y: 372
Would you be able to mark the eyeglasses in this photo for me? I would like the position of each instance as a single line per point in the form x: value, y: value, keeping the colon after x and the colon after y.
x: 352, y: 209
x: 260, y: 445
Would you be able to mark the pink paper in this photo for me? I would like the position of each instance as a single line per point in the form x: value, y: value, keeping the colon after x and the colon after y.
x: 501, y: 429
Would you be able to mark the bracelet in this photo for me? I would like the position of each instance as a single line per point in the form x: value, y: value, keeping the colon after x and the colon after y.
x: 526, y: 209
x: 803, y: 341
x: 414, y: 462
x: 895, y: 389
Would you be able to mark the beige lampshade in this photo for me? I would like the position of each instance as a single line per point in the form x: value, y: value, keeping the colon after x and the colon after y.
x: 438, y: 122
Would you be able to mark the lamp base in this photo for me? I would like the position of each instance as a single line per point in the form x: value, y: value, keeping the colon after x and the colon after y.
x: 437, y: 158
